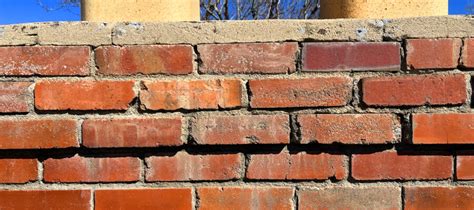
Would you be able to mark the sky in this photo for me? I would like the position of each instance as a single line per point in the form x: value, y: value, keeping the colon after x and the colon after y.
x: 25, y: 11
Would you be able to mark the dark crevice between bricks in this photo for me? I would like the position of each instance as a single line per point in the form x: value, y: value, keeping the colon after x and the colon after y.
x: 295, y: 197
x: 403, y: 196
x: 299, y: 59
x: 455, y: 167
x: 403, y: 56
x: 249, y: 95
x: 198, y: 59
x: 472, y: 91
x: 295, y: 129
x: 461, y: 51
x: 406, y: 129
x: 197, y: 199
x: 360, y: 93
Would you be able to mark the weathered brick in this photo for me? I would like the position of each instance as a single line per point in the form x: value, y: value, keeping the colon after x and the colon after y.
x: 468, y: 53
x: 349, y: 128
x: 81, y: 169
x: 84, y: 95
x: 415, y: 90
x: 312, y: 92
x: 245, y: 198
x: 38, y: 133
x: 350, y: 198
x: 18, y: 171
x: 186, y: 167
x: 440, y: 128
x: 164, y: 198
x: 146, y: 59
x: 465, y: 167
x: 14, y: 97
x: 433, y: 53
x: 45, y: 199
x: 44, y: 60
x: 262, y: 58
x: 131, y: 132
x: 249, y: 129
x: 351, y: 56
x: 301, y: 166
x: 393, y: 166
x: 197, y: 94
x: 421, y: 198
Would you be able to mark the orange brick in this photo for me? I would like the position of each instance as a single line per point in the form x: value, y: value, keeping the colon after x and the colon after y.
x: 468, y: 53
x: 197, y: 94
x: 443, y: 128
x: 131, y: 132
x: 446, y: 198
x: 45, y: 199
x: 349, y: 128
x: 301, y: 166
x: 241, y: 198
x: 465, y: 168
x: 145, y: 59
x: 433, y: 53
x: 38, y: 133
x: 44, y: 60
x: 186, y: 167
x: 172, y: 198
x: 80, y: 169
x: 83, y: 95
x: 313, y: 92
x: 14, y: 97
x: 18, y: 170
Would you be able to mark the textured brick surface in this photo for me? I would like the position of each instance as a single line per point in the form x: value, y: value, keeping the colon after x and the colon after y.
x: 249, y: 129
x: 313, y: 92
x: 131, y: 132
x: 18, y: 170
x: 82, y: 169
x: 350, y: 198
x: 301, y: 166
x: 45, y: 199
x: 468, y: 53
x: 245, y: 198
x: 145, y: 59
x: 44, y: 60
x: 433, y: 53
x: 421, y: 198
x: 349, y: 128
x: 197, y: 94
x: 14, y: 97
x: 465, y: 167
x: 393, y: 166
x: 38, y: 133
x: 248, y: 58
x: 443, y: 128
x: 83, y: 95
x: 163, y: 198
x: 415, y: 90
x: 186, y: 167
x: 351, y: 56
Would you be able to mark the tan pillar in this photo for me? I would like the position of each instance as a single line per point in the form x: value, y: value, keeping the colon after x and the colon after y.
x: 382, y: 8
x: 140, y: 10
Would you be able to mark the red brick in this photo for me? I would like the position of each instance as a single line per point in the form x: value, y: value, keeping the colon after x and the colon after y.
x: 45, y: 199
x: 313, y: 92
x: 18, y: 170
x: 186, y: 167
x: 14, y: 97
x: 198, y: 94
x: 38, y: 133
x: 433, y: 53
x: 148, y: 59
x: 450, y: 128
x: 468, y: 53
x: 351, y: 56
x: 84, y: 95
x: 262, y: 58
x: 415, y: 90
x: 245, y: 198
x: 81, y: 169
x: 349, y: 128
x: 249, y: 129
x: 350, y: 198
x: 172, y: 198
x: 465, y: 168
x: 301, y: 166
x: 446, y: 198
x: 44, y: 60
x: 393, y: 166
x: 131, y: 132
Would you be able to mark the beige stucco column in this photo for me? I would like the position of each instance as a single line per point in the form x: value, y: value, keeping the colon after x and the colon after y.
x: 382, y: 8
x: 140, y: 10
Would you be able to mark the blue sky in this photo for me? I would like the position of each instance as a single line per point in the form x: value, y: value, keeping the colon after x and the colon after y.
x: 23, y: 11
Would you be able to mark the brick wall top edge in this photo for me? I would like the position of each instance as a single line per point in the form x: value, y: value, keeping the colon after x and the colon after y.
x: 80, y: 33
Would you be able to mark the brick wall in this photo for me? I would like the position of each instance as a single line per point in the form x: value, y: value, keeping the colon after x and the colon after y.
x: 335, y: 114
